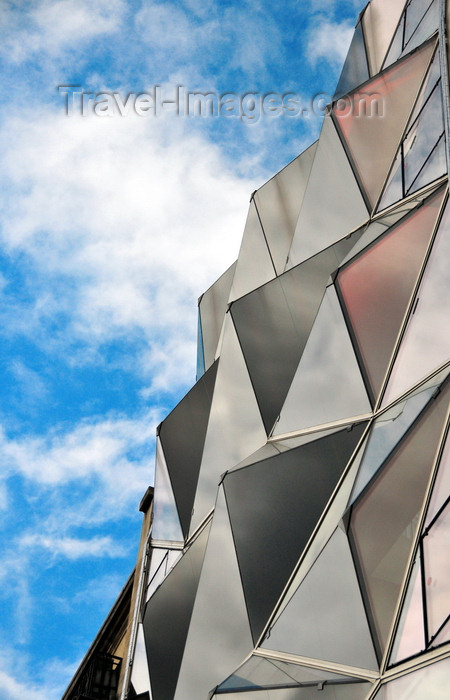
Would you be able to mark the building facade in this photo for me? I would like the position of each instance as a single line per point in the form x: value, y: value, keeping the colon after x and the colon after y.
x: 301, y: 530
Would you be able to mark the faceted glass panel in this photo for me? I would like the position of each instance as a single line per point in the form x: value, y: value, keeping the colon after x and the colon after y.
x: 425, y: 345
x: 387, y: 430
x: 383, y: 526
x: 139, y: 672
x: 173, y: 601
x: 254, y: 266
x: 235, y: 427
x: 323, y: 390
x: 414, y: 13
x: 333, y: 620
x: 182, y: 435
x: 200, y: 352
x: 436, y: 547
x: 278, y: 204
x: 219, y: 632
x: 377, y: 287
x: 273, y: 324
x: 441, y: 488
x: 332, y: 205
x: 379, y: 114
x: 356, y: 69
x: 348, y: 689
x: 270, y: 541
x: 166, y: 523
x: 380, y: 20
x: 410, y: 636
x: 430, y: 683
x: 212, y: 308
x: 429, y: 23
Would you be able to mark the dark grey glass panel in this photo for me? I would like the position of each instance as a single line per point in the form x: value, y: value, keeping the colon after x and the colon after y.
x: 166, y: 619
x: 383, y: 525
x: 386, y: 433
x: 273, y: 324
x: 219, y: 632
x: 182, y: 435
x: 355, y: 70
x: 269, y: 539
x: 328, y: 603
x: 212, y: 307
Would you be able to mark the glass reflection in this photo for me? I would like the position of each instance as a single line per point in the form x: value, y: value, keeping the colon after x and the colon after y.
x: 436, y: 547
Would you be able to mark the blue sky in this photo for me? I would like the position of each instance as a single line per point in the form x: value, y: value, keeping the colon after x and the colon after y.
x: 111, y: 227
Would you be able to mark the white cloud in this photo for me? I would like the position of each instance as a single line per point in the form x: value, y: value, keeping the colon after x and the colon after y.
x: 329, y: 41
x: 12, y: 689
x: 138, y: 215
x: 73, y: 548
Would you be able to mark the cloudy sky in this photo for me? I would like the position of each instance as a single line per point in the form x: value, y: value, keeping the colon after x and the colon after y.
x: 113, y: 222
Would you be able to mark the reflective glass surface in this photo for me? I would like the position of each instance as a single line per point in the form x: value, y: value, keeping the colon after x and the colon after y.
x: 268, y: 548
x: 379, y: 114
x: 441, y: 488
x: 426, y: 345
x: 212, y: 307
x: 200, y: 351
x: 254, y: 265
x: 166, y: 619
x: 235, y: 427
x: 436, y: 546
x: 377, y: 287
x: 410, y: 636
x: 322, y: 389
x: 182, y: 436
x: 273, y: 324
x: 219, y: 633
x: 333, y: 620
x: 332, y: 205
x: 430, y: 683
x: 166, y: 523
x: 414, y: 13
x: 356, y: 69
x: 383, y: 525
x: 348, y: 689
x: 379, y: 22
x: 278, y: 203
x: 139, y: 672
x: 422, y: 138
x: 427, y: 26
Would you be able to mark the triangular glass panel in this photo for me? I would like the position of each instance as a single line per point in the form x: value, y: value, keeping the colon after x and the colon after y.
x: 434, y: 167
x: 166, y: 522
x: 174, y: 601
x: 139, y: 672
x: 379, y: 114
x: 333, y: 620
x: 414, y: 13
x: 441, y: 488
x: 393, y: 192
x: 436, y: 546
x: 182, y: 435
x: 254, y: 266
x: 217, y: 618
x: 377, y: 287
x: 332, y: 205
x: 429, y: 682
x: 356, y: 69
x: 380, y: 20
x: 383, y: 527
x: 322, y: 390
x: 200, y: 351
x: 235, y: 428
x: 419, y: 26
x: 424, y: 345
x: 410, y: 635
x: 212, y: 306
x: 273, y: 324
x: 268, y: 548
x: 278, y: 204
x: 386, y: 432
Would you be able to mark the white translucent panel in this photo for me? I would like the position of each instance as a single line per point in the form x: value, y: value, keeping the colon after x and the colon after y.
x: 410, y: 636
x: 436, y: 547
x: 278, y: 203
x: 441, y: 488
x: 428, y: 683
x: 385, y: 434
x: 219, y: 632
x: 426, y: 342
x: 235, y: 426
x: 333, y: 205
x: 212, y: 306
x: 166, y: 523
x: 443, y: 636
x: 333, y: 620
x: 139, y: 672
x: 254, y: 265
x: 327, y: 385
x: 379, y: 23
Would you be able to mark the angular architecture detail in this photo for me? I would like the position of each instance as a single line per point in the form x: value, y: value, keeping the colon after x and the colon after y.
x: 301, y: 529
